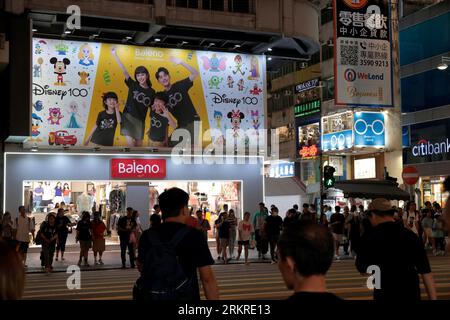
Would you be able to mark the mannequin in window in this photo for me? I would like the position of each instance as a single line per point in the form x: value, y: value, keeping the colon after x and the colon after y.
x: 116, y: 200
x: 47, y: 195
x: 66, y: 193
x: 58, y: 193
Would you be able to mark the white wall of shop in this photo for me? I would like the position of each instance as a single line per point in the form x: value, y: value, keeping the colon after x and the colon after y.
x: 284, y: 203
x: 21, y: 167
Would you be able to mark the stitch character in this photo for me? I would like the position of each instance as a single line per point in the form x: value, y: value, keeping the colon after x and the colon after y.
x: 62, y: 49
x: 254, y: 69
x: 59, y: 69
x: 230, y: 82
x: 218, y: 117
x: 235, y: 117
x: 73, y: 110
x: 85, y: 55
x: 38, y: 105
x: 256, y: 91
x: 214, y: 82
x: 255, y: 119
x: 35, y: 121
x: 55, y: 116
x: 37, y: 71
x: 238, y: 66
x: 240, y: 85
x: 214, y: 64
x: 84, y: 77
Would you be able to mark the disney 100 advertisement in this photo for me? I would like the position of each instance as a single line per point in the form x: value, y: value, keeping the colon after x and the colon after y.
x: 98, y: 94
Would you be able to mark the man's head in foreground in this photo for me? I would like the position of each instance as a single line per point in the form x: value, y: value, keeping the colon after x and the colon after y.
x: 306, y: 251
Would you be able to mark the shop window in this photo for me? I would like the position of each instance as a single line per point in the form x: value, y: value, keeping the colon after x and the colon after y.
x: 240, y: 6
x: 217, y: 5
x: 186, y: 3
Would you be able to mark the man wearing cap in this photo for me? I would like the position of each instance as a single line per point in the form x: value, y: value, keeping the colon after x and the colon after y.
x: 399, y: 254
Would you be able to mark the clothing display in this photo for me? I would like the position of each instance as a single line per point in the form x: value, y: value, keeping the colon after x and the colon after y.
x: 153, y: 197
x: 85, y: 202
x: 117, y: 200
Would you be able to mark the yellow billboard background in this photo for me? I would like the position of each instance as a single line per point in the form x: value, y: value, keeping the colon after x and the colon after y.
x: 110, y: 77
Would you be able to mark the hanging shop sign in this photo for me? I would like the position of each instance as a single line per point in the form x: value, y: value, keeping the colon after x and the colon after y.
x: 337, y: 133
x: 338, y: 164
x: 282, y: 170
x: 306, y: 109
x: 138, y: 168
x: 307, y: 85
x: 308, y: 140
x: 369, y: 129
x: 365, y: 168
x: 362, y: 53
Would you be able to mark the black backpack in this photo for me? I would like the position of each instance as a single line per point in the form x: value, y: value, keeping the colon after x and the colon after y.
x: 162, y: 277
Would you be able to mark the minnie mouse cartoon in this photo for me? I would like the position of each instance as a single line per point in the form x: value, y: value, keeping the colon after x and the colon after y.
x: 235, y: 117
x: 60, y: 69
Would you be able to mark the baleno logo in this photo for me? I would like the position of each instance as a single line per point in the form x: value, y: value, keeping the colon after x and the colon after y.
x: 147, y: 52
x: 425, y: 148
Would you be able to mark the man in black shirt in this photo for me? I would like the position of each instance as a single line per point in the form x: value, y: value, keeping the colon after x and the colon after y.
x: 336, y: 224
x: 305, y: 254
x: 125, y: 226
x: 398, y: 252
x: 192, y: 251
x: 274, y: 224
x: 180, y: 104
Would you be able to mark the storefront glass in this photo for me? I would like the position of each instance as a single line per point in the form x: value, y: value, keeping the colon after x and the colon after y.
x: 431, y: 188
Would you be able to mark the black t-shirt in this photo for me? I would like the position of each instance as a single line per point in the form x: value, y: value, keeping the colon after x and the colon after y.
x: 106, y: 128
x: 139, y: 99
x: 337, y: 228
x: 180, y: 104
x: 224, y: 230
x: 61, y: 224
x: 193, y: 251
x: 48, y: 232
x: 401, y: 257
x: 158, y: 127
x: 126, y: 223
x: 84, y: 229
x: 273, y: 225
x: 288, y: 220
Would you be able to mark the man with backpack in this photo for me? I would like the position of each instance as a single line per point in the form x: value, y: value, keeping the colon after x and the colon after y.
x: 170, y: 254
x: 23, y: 226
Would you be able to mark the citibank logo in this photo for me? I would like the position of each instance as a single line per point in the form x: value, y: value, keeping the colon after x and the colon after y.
x: 425, y: 148
x: 350, y: 75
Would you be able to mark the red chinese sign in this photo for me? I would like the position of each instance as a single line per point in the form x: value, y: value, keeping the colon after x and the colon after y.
x: 309, y: 152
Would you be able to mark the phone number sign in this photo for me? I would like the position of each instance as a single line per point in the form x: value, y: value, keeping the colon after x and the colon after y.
x: 362, y: 55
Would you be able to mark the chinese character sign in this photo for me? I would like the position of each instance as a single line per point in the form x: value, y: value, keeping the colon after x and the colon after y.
x: 308, y: 140
x: 362, y: 55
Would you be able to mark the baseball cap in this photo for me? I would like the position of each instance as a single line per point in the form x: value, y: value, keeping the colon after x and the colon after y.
x: 380, y: 204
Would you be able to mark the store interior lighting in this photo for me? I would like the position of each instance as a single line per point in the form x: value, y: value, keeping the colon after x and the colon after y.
x: 444, y: 63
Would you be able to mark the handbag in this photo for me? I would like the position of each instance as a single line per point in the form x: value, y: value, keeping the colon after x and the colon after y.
x: 38, y: 238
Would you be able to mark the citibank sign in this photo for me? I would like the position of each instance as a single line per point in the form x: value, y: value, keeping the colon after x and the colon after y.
x: 138, y: 168
x: 426, y: 148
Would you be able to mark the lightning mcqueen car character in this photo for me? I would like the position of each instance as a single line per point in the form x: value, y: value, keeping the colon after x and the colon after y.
x: 61, y: 137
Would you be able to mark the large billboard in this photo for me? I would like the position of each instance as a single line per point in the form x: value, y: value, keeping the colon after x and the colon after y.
x: 337, y: 131
x: 362, y: 53
x: 121, y: 95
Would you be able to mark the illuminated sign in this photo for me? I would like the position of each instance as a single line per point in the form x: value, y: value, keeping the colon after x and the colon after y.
x: 282, y: 170
x: 306, y: 109
x: 425, y: 148
x: 337, y: 131
x: 308, y: 140
x: 311, y: 84
x: 309, y: 152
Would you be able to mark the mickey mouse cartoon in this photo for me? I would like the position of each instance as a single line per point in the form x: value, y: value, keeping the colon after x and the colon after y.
x: 235, y: 117
x: 59, y: 69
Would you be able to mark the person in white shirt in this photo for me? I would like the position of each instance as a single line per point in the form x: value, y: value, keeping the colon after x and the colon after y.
x: 245, y: 230
x: 23, y: 226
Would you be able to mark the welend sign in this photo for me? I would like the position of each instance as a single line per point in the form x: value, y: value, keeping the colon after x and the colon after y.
x: 130, y: 168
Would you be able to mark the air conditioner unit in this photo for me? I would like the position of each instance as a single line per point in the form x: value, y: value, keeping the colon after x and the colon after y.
x: 4, y: 52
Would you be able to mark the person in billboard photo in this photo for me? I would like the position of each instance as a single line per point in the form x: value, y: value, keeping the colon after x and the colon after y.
x: 160, y: 120
x: 140, y: 98
x: 103, y: 132
x: 180, y: 103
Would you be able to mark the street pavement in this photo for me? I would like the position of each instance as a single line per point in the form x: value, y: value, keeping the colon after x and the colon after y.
x: 236, y: 281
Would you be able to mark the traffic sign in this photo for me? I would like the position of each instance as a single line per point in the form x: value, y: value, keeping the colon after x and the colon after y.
x: 410, y: 175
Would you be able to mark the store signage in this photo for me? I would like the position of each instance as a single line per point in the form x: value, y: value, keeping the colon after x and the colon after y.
x: 425, y: 148
x: 282, y: 170
x: 337, y: 131
x: 311, y: 84
x: 338, y: 164
x: 306, y: 109
x: 308, y: 140
x: 362, y: 53
x: 365, y: 168
x: 138, y: 168
x: 369, y: 129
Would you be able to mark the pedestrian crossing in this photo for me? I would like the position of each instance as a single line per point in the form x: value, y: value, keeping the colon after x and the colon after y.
x: 236, y: 282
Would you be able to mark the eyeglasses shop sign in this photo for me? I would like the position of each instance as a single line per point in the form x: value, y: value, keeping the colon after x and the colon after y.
x: 138, y: 168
